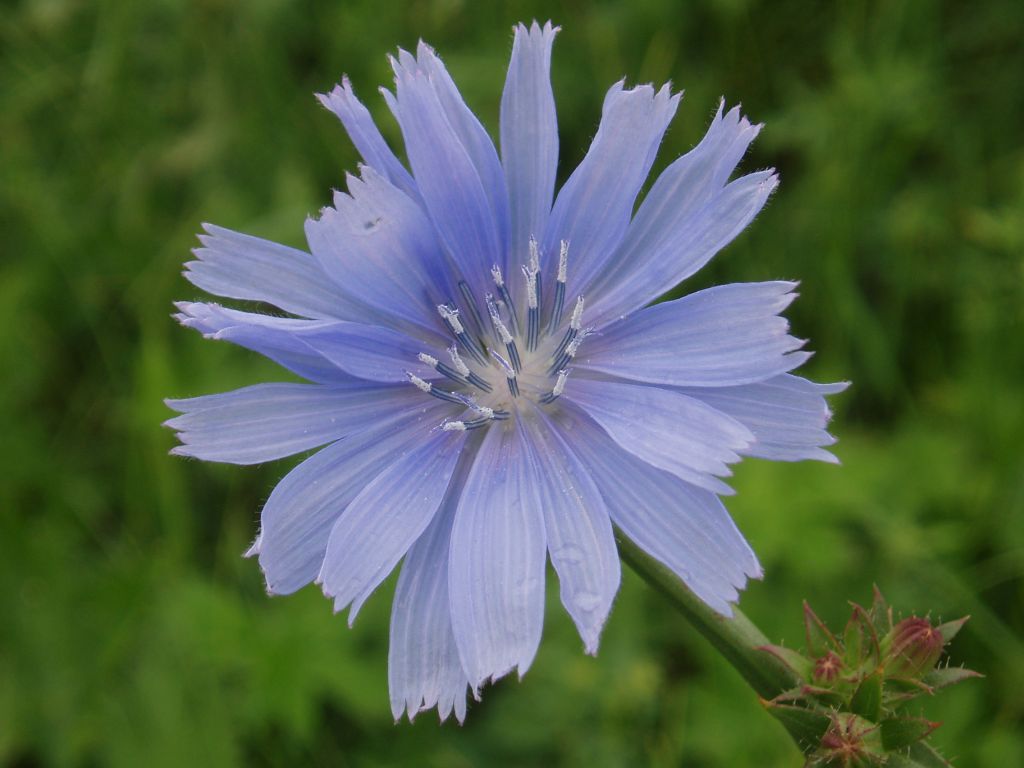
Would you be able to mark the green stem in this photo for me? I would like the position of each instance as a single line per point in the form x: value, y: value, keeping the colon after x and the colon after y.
x: 735, y: 637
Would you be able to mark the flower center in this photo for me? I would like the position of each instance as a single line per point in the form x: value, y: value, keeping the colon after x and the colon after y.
x: 530, y: 352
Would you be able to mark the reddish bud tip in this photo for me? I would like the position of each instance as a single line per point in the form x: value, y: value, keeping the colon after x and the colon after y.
x: 828, y: 668
x: 916, y: 646
x: 850, y: 742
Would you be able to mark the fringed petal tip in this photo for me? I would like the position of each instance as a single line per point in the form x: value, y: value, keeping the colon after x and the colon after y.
x: 656, y: 100
x: 336, y: 98
x: 254, y: 549
x: 592, y: 642
x: 520, y: 668
x: 724, y: 603
x: 445, y: 709
x: 735, y: 122
x: 834, y: 388
x: 176, y: 405
x: 190, y: 314
x: 826, y: 457
x: 535, y: 29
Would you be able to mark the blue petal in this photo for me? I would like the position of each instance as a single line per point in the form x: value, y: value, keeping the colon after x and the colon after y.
x: 474, y: 138
x: 496, y: 571
x: 268, y: 421
x: 668, y: 254
x: 424, y: 670
x: 593, y: 209
x: 673, y: 432
x: 244, y: 267
x: 457, y: 197
x: 787, y: 415
x: 365, y: 135
x: 382, y: 522
x: 722, y: 336
x: 684, y: 527
x: 331, y: 350
x: 380, y: 249
x: 273, y: 337
x: 579, y: 532
x: 529, y: 135
x: 297, y: 519
x: 366, y: 351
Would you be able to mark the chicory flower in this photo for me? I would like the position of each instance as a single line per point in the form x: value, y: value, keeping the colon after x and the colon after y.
x: 489, y: 376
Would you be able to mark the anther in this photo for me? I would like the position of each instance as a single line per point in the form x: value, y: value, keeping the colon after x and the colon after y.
x: 532, y: 307
x: 440, y: 394
x: 462, y: 425
x: 559, y: 387
x: 503, y: 294
x: 484, y: 411
x: 510, y: 374
x: 463, y: 370
x: 575, y: 321
x: 560, y: 382
x: 424, y: 386
x: 574, y: 345
x: 460, y: 366
x: 563, y: 273
x: 446, y: 370
x: 491, y: 414
x: 535, y: 268
x: 570, y: 351
x: 503, y: 335
x: 484, y: 415
x: 451, y: 318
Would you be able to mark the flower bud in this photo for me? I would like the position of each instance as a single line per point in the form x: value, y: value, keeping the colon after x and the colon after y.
x: 915, y: 647
x: 827, y: 668
x: 849, y: 742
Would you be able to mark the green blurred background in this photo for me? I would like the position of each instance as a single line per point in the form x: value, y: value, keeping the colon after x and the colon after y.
x: 132, y: 632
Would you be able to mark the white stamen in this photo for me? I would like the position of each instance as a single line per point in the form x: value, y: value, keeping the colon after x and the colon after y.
x: 506, y: 366
x: 427, y: 359
x: 531, y: 286
x: 451, y: 316
x: 560, y: 382
x: 577, y: 314
x: 499, y: 283
x: 483, y: 410
x: 506, y: 337
x: 454, y: 426
x: 534, y: 255
x: 466, y: 400
x: 425, y: 386
x: 574, y: 345
x: 563, y: 261
x: 460, y: 366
